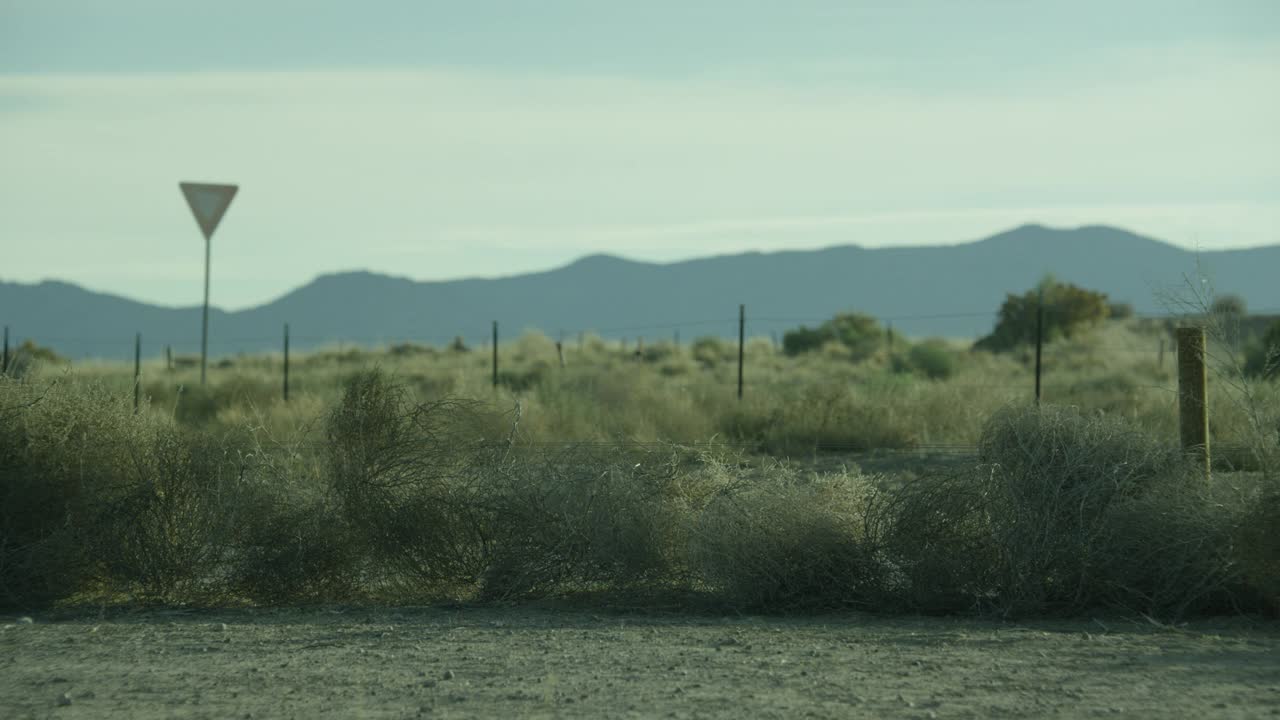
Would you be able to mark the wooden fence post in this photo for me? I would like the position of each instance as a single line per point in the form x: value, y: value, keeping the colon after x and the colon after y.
x: 495, y: 353
x: 1193, y: 405
x: 4, y: 365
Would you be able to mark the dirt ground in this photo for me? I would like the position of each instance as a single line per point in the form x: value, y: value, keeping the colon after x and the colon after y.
x: 550, y: 663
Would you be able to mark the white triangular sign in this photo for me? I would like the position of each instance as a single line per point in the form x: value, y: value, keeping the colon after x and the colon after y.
x: 208, y: 203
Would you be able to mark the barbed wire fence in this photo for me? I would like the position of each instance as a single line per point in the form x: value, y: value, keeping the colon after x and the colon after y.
x: 630, y: 343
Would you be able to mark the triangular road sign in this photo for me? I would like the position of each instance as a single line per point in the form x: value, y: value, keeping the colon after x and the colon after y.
x: 208, y: 203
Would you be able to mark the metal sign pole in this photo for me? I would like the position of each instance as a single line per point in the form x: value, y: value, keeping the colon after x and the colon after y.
x: 204, y: 325
x: 208, y: 204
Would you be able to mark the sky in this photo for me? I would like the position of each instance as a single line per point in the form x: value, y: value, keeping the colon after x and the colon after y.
x: 437, y: 140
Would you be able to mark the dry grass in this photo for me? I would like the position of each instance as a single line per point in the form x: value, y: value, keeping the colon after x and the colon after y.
x: 419, y: 481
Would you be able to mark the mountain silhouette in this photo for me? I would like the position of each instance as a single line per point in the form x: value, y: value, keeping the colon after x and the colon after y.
x: 951, y: 291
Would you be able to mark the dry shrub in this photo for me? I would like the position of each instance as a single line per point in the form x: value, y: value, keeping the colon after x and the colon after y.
x: 450, y: 504
x: 1088, y: 511
x: 788, y: 543
x: 933, y: 536
x: 1258, y: 544
x: 47, y: 473
x: 1169, y: 553
x: 96, y: 498
x: 592, y: 517
x: 297, y: 552
x: 817, y: 418
x: 164, y: 527
x: 409, y: 481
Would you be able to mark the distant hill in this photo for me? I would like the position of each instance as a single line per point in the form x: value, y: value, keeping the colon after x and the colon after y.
x: 950, y: 291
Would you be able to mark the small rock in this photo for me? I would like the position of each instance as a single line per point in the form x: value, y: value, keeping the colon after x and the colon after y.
x: 25, y: 621
x: 223, y: 627
x: 449, y: 675
x: 64, y: 700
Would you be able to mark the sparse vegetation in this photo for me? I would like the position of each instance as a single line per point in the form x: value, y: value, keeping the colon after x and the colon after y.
x: 403, y: 476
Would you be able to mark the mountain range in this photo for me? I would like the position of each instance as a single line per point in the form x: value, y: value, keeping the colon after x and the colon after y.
x: 950, y: 290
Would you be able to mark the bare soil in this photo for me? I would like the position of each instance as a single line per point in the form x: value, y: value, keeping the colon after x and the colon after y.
x: 537, y: 662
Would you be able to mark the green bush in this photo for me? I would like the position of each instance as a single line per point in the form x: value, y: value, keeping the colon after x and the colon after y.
x: 1067, y: 309
x: 804, y: 339
x: 861, y: 334
x: 26, y: 357
x: 933, y: 359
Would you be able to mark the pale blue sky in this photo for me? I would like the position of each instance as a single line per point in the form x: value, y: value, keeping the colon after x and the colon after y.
x: 437, y: 140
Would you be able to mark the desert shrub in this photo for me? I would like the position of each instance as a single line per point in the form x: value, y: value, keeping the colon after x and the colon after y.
x: 26, y: 357
x: 787, y: 543
x: 1120, y: 310
x: 1228, y: 305
x: 49, y: 468
x: 165, y: 528
x: 291, y: 551
x: 98, y: 498
x: 1067, y: 309
x: 408, y: 479
x: 859, y: 333
x: 830, y: 417
x: 526, y: 377
x: 1074, y: 499
x: 1262, y: 359
x: 1064, y: 513
x: 660, y: 352
x: 712, y: 351
x: 933, y: 359
x: 932, y: 535
x: 804, y: 339
x: 1257, y: 539
x: 589, y: 517
x: 410, y: 350
x: 200, y: 405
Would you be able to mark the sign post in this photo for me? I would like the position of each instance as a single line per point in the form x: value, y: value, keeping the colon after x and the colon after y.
x: 208, y: 203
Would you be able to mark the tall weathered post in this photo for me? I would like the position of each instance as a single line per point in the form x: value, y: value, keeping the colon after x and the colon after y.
x: 4, y: 364
x: 1039, y: 339
x: 495, y: 353
x: 286, y: 362
x: 1193, y: 404
x: 742, y: 339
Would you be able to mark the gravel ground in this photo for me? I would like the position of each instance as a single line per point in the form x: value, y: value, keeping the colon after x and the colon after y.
x: 541, y: 662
